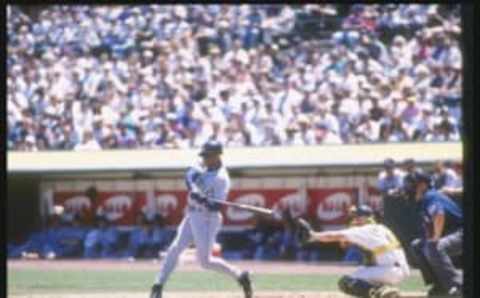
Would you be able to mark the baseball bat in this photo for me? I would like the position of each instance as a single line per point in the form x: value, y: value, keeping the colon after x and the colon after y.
x: 246, y: 207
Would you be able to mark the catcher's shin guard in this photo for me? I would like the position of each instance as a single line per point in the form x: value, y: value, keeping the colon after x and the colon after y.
x: 355, y: 287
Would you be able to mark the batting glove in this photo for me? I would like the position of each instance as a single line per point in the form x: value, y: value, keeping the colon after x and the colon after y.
x: 197, y: 197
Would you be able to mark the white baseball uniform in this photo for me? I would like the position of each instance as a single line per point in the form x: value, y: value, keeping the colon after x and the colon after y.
x: 200, y: 225
x: 390, y: 263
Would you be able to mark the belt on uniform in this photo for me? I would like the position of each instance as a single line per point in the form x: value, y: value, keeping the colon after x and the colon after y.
x: 198, y: 209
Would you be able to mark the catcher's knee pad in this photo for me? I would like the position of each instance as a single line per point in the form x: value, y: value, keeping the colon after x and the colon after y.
x: 344, y: 284
x: 353, y: 286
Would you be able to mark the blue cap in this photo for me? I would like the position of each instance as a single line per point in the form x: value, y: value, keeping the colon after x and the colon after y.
x: 211, y: 147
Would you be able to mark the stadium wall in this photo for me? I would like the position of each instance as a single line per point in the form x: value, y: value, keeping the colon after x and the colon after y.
x: 323, y: 181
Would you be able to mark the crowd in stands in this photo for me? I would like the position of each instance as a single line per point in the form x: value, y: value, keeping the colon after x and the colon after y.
x: 173, y: 76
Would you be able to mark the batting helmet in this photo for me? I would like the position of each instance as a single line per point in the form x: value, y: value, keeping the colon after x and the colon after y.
x: 211, y: 147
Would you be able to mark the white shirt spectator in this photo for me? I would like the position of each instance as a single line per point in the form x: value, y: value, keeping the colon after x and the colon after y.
x: 390, y: 183
x: 331, y: 121
x: 370, y: 130
x: 290, y: 97
x: 89, y: 145
x: 307, y: 137
x: 352, y: 106
x: 448, y: 178
x: 292, y: 138
x: 331, y: 138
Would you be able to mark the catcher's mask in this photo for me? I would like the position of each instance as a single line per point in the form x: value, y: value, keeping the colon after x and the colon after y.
x: 361, y: 215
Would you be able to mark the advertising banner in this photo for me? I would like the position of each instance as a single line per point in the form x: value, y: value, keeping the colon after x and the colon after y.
x: 118, y: 207
x: 325, y: 206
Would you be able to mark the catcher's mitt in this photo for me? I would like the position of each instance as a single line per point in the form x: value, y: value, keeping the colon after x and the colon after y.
x: 304, y: 231
x: 299, y: 227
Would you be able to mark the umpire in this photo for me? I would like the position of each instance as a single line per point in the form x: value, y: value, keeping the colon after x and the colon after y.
x: 443, y: 238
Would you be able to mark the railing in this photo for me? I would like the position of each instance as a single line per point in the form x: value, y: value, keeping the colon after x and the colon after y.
x: 326, y: 156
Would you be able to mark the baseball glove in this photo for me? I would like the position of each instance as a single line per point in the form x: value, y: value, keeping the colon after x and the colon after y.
x: 300, y: 228
x: 304, y: 231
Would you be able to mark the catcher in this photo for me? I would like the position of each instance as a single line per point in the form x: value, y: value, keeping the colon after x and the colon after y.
x: 386, y: 266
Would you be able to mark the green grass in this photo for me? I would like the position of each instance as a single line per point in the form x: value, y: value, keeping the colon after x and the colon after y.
x: 75, y: 281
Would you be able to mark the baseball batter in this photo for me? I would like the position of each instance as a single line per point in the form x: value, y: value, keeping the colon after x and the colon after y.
x: 387, y: 266
x: 206, y: 182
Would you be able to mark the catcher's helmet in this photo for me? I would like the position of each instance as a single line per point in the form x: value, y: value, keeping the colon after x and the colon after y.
x: 362, y: 210
x: 211, y: 147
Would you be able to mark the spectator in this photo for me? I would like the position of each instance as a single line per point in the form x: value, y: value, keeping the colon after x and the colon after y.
x: 324, y: 135
x: 89, y: 143
x: 71, y: 75
x: 390, y: 180
x: 444, y: 176
x: 367, y: 130
x: 291, y: 136
x: 306, y: 134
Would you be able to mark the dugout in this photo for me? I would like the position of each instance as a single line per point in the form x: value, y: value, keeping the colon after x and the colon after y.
x: 326, y: 166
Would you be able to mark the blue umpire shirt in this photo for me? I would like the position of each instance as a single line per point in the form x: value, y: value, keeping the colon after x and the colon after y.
x: 434, y: 203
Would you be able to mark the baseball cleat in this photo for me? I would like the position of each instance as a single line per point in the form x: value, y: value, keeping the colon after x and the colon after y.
x: 156, y: 291
x: 385, y: 292
x: 246, y: 284
x: 454, y: 292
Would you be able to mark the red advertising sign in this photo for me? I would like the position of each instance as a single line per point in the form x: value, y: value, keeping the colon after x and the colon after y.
x: 118, y: 207
x: 76, y: 202
x: 256, y: 197
x: 170, y: 205
x: 330, y: 205
x: 324, y: 205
